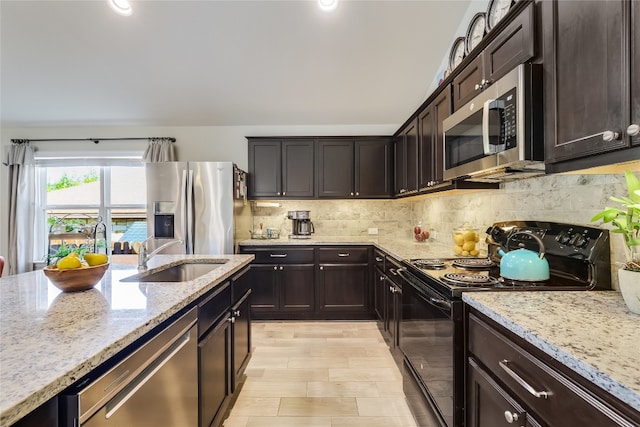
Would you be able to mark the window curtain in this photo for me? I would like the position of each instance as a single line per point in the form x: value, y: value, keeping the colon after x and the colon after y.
x: 19, y: 159
x: 159, y: 150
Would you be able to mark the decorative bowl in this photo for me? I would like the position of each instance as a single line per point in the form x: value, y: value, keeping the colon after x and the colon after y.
x: 75, y: 279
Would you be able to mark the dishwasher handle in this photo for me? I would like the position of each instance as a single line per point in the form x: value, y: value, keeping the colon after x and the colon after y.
x: 134, y: 385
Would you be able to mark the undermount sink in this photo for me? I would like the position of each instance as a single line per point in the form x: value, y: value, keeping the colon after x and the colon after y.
x: 178, y: 273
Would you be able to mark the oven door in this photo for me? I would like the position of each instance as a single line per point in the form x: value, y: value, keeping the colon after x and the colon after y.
x: 431, y: 341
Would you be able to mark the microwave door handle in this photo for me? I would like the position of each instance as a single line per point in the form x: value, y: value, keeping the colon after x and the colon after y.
x: 486, y: 147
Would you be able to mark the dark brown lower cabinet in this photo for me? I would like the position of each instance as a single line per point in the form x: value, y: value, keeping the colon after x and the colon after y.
x: 379, y: 295
x: 343, y: 288
x: 241, y: 332
x: 490, y: 405
x: 214, y: 353
x: 507, y: 377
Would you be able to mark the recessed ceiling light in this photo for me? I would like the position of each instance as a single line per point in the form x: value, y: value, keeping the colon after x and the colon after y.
x: 327, y: 5
x: 121, y: 7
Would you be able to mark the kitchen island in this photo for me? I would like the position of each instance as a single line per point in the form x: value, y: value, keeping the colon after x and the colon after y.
x: 50, y: 339
x: 591, y: 333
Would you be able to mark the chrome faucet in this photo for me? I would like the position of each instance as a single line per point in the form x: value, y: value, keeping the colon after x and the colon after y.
x: 144, y: 255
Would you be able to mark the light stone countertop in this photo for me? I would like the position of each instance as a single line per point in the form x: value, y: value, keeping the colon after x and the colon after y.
x: 50, y: 339
x: 399, y: 248
x: 593, y: 333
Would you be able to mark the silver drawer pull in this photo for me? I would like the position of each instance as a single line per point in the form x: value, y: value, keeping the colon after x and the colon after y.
x: 521, y: 381
x: 344, y: 254
x: 378, y: 259
x: 278, y: 255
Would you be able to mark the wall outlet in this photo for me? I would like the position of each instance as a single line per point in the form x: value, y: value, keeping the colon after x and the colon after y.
x: 373, y: 230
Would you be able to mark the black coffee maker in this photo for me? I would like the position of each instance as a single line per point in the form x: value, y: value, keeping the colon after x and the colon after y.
x: 301, y: 227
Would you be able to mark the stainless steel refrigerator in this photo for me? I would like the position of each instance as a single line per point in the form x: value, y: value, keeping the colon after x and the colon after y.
x: 201, y: 203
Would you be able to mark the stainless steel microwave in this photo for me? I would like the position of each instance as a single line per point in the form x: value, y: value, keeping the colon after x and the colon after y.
x: 498, y: 135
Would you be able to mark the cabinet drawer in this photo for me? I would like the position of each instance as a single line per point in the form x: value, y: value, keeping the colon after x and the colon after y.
x: 350, y: 255
x: 391, y: 270
x: 213, y: 307
x: 282, y: 255
x: 523, y: 374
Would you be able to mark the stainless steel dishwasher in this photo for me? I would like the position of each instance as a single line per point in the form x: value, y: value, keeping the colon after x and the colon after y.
x: 156, y: 385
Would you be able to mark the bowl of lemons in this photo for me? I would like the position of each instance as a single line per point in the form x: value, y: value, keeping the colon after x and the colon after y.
x: 72, y: 273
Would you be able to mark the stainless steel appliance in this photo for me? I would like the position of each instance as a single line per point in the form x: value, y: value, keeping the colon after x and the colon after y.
x: 498, y: 135
x: 431, y: 328
x: 301, y: 227
x: 155, y: 385
x: 201, y: 203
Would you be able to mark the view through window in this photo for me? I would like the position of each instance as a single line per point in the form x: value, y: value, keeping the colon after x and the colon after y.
x: 90, y: 208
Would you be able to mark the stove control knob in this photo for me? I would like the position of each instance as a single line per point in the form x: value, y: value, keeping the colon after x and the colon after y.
x: 577, y: 240
x: 563, y: 238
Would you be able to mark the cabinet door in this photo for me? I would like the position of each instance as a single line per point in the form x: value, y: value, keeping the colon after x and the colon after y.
x: 215, y: 379
x: 297, y: 168
x: 335, y: 168
x: 241, y: 334
x: 488, y: 405
x: 297, y: 289
x: 394, y: 296
x: 400, y: 170
x: 343, y: 288
x: 265, y: 168
x: 411, y: 154
x: 431, y: 139
x: 372, y: 168
x: 514, y: 46
x: 264, y: 286
x: 380, y: 296
x: 467, y: 84
x: 586, y: 88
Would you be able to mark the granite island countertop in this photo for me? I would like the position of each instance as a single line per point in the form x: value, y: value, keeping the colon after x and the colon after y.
x: 50, y: 339
x: 593, y: 333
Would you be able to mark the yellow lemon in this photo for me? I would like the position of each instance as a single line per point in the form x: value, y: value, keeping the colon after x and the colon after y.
x: 468, y: 246
x: 68, y: 263
x: 96, y: 259
x: 73, y: 254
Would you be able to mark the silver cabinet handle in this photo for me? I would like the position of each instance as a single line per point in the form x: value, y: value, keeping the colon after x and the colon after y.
x: 321, y: 268
x: 352, y: 193
x: 633, y: 129
x: 610, y: 135
x: 231, y: 320
x: 357, y: 193
x: 503, y: 364
x: 236, y: 313
x: 392, y: 290
x: 381, y: 278
x: 343, y: 254
x: 275, y: 267
x: 281, y: 268
x: 510, y: 417
x: 278, y: 193
x: 278, y: 255
x: 477, y: 86
x: 378, y: 259
x: 393, y: 271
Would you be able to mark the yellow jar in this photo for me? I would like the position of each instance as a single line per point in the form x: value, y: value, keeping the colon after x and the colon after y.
x: 465, y: 240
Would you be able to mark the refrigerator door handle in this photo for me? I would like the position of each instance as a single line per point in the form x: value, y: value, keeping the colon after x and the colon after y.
x: 190, y: 218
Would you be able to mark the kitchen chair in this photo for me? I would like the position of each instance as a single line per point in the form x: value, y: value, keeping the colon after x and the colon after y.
x: 1, y: 264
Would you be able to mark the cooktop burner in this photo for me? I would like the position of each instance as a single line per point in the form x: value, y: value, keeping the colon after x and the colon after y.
x: 469, y: 279
x: 472, y: 263
x: 504, y: 282
x: 429, y: 264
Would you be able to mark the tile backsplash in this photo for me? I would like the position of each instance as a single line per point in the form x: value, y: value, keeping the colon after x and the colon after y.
x: 559, y: 198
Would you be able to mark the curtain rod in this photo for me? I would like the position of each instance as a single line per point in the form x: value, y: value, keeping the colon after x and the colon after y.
x: 94, y: 140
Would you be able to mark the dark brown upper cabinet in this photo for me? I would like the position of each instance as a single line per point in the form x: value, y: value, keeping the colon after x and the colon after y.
x: 430, y: 139
x: 281, y: 168
x: 514, y: 45
x: 353, y: 168
x: 592, y: 70
x: 406, y: 159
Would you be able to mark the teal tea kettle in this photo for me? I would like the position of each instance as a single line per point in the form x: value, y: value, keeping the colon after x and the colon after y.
x: 523, y: 264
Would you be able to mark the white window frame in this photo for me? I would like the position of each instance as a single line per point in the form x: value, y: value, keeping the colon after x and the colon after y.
x: 103, y: 161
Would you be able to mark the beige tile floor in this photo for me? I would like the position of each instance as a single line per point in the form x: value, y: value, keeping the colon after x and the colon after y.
x: 320, y: 374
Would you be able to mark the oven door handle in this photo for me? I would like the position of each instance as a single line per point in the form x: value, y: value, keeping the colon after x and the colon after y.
x: 432, y: 299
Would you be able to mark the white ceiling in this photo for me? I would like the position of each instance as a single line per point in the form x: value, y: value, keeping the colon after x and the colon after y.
x: 220, y: 63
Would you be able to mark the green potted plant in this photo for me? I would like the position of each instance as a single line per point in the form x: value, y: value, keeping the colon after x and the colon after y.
x: 625, y: 220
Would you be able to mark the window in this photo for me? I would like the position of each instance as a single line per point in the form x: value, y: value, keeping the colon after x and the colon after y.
x: 74, y: 193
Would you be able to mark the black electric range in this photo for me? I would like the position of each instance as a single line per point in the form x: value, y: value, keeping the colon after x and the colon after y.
x: 431, y: 333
